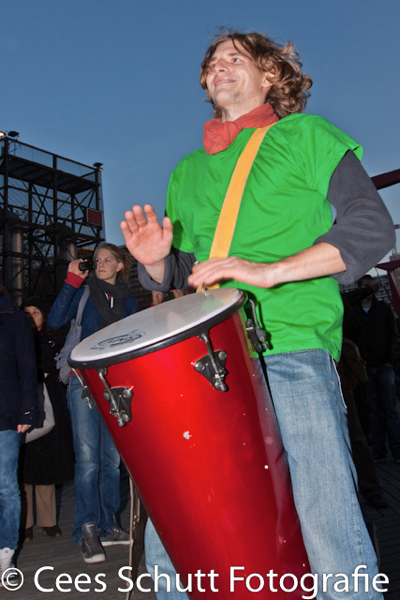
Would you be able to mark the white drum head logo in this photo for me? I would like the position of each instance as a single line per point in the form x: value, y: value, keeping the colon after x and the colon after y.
x: 119, y: 340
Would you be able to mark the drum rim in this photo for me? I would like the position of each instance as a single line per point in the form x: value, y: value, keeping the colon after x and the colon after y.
x: 197, y: 329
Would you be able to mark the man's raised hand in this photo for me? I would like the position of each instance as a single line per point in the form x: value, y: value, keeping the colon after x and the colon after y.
x: 147, y: 240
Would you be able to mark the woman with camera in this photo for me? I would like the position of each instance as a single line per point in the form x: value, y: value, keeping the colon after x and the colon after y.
x: 97, y: 495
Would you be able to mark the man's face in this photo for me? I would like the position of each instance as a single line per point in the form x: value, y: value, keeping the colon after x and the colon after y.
x: 234, y: 83
x: 366, y: 282
x: 375, y: 285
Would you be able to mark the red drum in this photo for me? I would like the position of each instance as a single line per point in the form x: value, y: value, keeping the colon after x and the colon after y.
x: 200, y: 440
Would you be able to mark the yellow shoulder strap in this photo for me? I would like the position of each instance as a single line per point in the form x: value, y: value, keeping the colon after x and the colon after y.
x: 230, y: 209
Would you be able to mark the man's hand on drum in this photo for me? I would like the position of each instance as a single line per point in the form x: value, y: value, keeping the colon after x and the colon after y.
x: 147, y: 240
x: 319, y: 260
x: 246, y: 271
x: 73, y: 267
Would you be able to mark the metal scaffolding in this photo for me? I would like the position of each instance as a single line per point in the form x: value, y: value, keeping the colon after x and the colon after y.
x: 51, y: 211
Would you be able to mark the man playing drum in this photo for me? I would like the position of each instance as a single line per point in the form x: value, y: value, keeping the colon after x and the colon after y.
x: 287, y: 255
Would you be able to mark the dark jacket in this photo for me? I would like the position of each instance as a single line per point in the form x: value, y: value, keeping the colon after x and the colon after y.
x: 18, y: 396
x: 378, y: 339
x: 49, y: 459
x: 65, y: 308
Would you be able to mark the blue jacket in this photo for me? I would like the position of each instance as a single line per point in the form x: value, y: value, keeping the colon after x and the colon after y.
x: 18, y: 376
x: 65, y: 308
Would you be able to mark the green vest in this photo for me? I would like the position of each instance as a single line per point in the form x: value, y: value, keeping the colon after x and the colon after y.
x: 283, y: 210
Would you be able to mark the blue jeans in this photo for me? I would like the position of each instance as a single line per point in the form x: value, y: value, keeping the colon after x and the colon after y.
x: 384, y: 420
x: 97, y: 495
x: 312, y: 417
x: 10, y: 501
x: 313, y: 422
x: 156, y: 555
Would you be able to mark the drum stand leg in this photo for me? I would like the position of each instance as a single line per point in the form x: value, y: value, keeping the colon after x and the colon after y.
x: 138, y: 518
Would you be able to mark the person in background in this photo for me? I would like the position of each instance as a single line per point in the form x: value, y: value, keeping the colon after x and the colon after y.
x: 353, y: 332
x: 351, y: 369
x: 97, y: 495
x: 178, y: 293
x: 49, y: 460
x: 18, y: 412
x: 157, y: 298
x: 379, y: 345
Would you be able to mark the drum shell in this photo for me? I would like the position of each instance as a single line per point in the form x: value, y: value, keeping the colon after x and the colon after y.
x: 209, y: 465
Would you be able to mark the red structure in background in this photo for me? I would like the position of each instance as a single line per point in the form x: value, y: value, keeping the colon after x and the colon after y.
x: 386, y: 179
x: 393, y: 293
x: 383, y: 181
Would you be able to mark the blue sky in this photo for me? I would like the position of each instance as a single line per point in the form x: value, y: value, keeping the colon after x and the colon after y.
x: 117, y: 81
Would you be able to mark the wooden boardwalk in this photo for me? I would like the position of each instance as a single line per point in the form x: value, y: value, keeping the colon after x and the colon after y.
x: 62, y: 555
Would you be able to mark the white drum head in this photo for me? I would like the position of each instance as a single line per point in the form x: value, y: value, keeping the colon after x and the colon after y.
x: 156, y: 327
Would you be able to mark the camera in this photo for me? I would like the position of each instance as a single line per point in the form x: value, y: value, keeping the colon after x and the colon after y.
x: 86, y: 265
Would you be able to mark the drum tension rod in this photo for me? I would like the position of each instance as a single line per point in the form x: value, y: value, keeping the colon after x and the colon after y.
x: 86, y: 395
x: 257, y: 336
x: 212, y: 365
x: 119, y: 399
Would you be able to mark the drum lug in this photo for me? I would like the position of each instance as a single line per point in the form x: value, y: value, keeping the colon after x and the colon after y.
x: 119, y: 398
x: 257, y: 336
x: 212, y: 365
x: 86, y: 395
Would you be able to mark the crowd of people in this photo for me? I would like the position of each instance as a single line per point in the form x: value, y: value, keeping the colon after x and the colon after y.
x: 285, y: 254
x: 48, y: 434
x: 47, y: 458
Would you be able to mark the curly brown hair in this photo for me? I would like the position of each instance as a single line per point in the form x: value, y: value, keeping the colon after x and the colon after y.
x: 288, y: 93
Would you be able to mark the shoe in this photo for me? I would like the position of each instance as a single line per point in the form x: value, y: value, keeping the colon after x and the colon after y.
x: 28, y: 534
x: 6, y: 563
x: 378, y: 501
x: 116, y: 536
x: 54, y: 531
x: 92, y: 550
